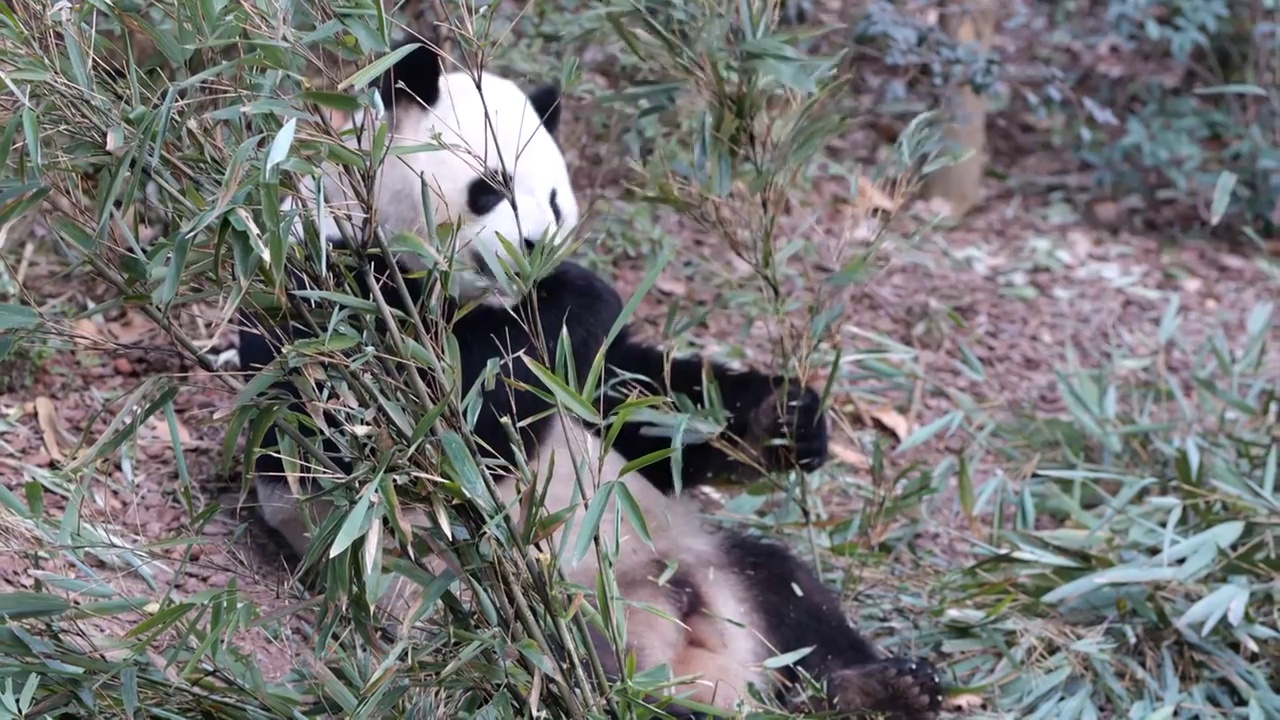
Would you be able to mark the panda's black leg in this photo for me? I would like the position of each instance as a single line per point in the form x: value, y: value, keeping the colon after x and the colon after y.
x: 777, y: 418
x: 800, y: 611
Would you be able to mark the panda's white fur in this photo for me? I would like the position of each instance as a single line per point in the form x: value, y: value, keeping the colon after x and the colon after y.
x: 515, y: 138
x: 475, y: 124
x: 725, y: 650
x: 722, y: 651
x: 732, y: 599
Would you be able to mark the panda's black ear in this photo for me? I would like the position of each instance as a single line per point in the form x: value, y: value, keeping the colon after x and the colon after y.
x: 415, y: 78
x: 546, y: 101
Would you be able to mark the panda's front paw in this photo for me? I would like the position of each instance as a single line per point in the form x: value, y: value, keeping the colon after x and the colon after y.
x: 797, y: 420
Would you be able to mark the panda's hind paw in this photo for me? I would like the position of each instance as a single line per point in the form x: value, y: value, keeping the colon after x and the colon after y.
x: 797, y: 420
x: 893, y: 688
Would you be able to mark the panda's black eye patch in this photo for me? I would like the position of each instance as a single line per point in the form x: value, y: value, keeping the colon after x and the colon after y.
x: 488, y: 191
x: 555, y: 208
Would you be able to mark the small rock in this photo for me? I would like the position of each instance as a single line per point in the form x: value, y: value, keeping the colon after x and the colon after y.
x: 112, y: 503
x: 122, y: 366
x: 1191, y: 284
x: 671, y: 285
x: 1107, y: 213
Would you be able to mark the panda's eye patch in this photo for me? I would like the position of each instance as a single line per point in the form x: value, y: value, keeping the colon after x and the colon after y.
x: 555, y: 208
x: 488, y: 191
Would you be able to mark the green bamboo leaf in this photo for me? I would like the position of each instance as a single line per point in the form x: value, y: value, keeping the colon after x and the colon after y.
x: 467, y: 471
x: 1259, y: 320
x: 1219, y: 537
x: 177, y: 266
x: 258, y: 385
x: 644, y: 461
x: 377, y: 67
x: 529, y: 649
x: 631, y: 509
x: 1111, y: 576
x: 688, y: 429
x: 1043, y: 558
x: 567, y: 397
x: 18, y: 200
x: 1169, y: 322
x: 128, y: 691
x: 1227, y: 601
x: 651, y: 277
x: 281, y: 144
x: 127, y: 421
x: 354, y: 525
x: 1233, y: 89
x: 344, y: 102
x: 787, y: 659
x: 1221, y: 196
x: 31, y: 134
x: 1270, y: 471
x: 29, y: 691
x: 926, y: 433
x: 591, y: 519
x: 343, y: 299
x: 546, y: 524
x: 26, y: 605
x: 17, y: 317
x: 272, y: 242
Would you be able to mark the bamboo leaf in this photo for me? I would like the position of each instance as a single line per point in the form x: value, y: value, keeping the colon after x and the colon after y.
x: 567, y: 397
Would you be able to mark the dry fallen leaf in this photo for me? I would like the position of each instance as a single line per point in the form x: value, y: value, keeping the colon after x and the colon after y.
x: 132, y: 328
x: 872, y: 197
x: 849, y: 456
x: 336, y: 118
x: 156, y: 430
x: 1108, y: 213
x: 968, y: 702
x: 671, y: 285
x: 47, y: 417
x: 85, y: 333
x: 184, y: 435
x: 936, y: 208
x: 891, y: 420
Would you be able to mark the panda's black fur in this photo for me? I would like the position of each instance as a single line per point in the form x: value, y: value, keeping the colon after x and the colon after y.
x: 782, y: 599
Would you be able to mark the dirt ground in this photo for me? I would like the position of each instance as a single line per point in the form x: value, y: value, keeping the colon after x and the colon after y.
x: 1026, y: 281
x: 1024, y: 287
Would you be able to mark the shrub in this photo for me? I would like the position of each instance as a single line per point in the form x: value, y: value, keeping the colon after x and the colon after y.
x: 207, y: 114
x: 1133, y: 572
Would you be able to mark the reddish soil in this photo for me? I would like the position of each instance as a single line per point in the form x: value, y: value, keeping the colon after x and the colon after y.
x: 1072, y: 286
x: 1024, y: 284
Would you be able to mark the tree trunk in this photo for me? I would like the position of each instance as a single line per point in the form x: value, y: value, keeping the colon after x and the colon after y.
x: 964, y: 111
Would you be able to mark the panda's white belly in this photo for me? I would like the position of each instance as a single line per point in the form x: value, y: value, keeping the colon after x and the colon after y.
x: 569, y: 469
x: 719, y: 642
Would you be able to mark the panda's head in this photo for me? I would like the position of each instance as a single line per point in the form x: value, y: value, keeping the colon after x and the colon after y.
x: 484, y: 152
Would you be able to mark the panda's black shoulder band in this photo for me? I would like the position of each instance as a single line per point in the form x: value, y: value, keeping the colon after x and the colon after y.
x: 414, y: 78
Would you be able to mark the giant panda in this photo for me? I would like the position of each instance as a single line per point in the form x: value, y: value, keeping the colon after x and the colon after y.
x: 731, y: 599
